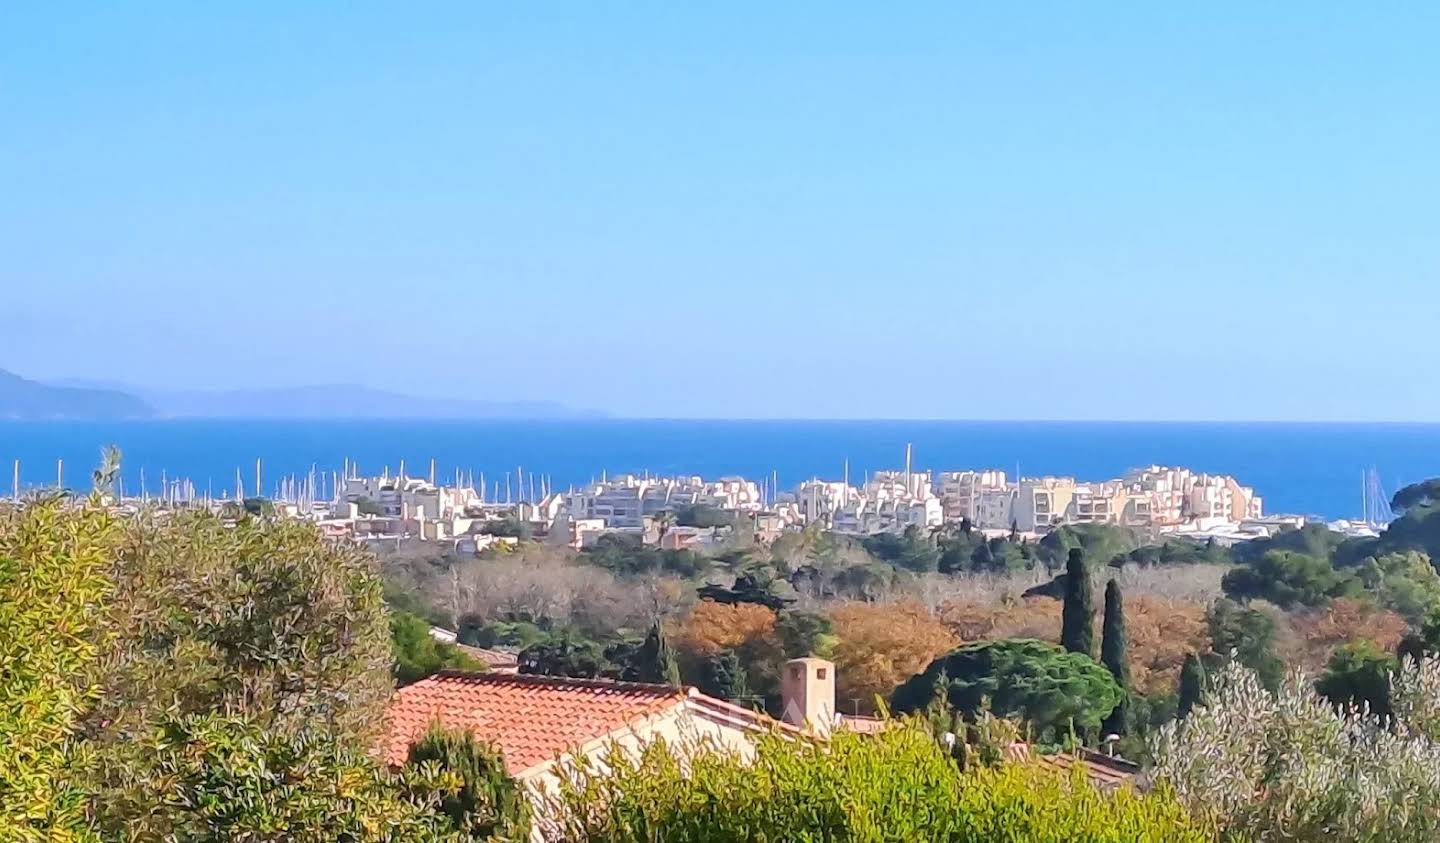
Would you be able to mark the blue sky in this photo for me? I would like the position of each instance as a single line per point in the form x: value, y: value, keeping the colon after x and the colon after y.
x: 1063, y: 211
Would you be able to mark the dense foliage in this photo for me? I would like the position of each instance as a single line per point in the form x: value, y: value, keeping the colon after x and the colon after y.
x: 1290, y: 765
x: 899, y: 785
x: 417, y: 654
x: 1056, y: 693
x: 53, y: 560
x: 483, y: 801
x: 213, y: 777
x: 181, y: 676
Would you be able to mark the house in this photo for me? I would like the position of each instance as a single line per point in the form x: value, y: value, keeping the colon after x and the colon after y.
x: 542, y: 723
x: 539, y: 722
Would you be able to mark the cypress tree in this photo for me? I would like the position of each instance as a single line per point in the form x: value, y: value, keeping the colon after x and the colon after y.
x: 1077, y: 629
x: 1192, y: 685
x: 656, y: 660
x: 723, y: 676
x: 1113, y: 654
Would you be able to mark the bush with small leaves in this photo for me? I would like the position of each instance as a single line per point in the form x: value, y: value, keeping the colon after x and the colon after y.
x: 53, y: 589
x: 898, y: 785
x: 1290, y: 765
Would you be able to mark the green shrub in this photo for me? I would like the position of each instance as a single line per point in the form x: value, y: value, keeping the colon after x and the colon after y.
x: 418, y: 654
x: 485, y: 800
x: 898, y: 785
x: 1289, y: 765
x: 53, y: 560
x: 218, y: 778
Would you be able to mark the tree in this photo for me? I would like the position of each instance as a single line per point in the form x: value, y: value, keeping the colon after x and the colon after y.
x: 1288, y: 579
x: 747, y: 588
x: 53, y: 593
x: 748, y: 629
x: 509, y: 527
x: 655, y: 661
x: 1359, y: 674
x: 1246, y: 635
x: 418, y: 654
x: 262, y: 619
x: 1344, y: 620
x: 703, y: 516
x: 486, y: 801
x: 564, y: 655
x: 880, y: 646
x: 1113, y: 654
x: 1422, y: 642
x: 258, y: 507
x: 1077, y: 629
x: 1192, y: 685
x: 1052, y: 690
x: 1404, y: 581
x: 805, y: 634
x: 722, y: 675
x: 214, y: 777
x: 1288, y: 764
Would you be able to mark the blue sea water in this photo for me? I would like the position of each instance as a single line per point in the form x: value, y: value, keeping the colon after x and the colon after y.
x: 1312, y: 469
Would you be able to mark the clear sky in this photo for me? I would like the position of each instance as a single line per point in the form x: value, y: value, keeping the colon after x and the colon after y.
x: 930, y: 210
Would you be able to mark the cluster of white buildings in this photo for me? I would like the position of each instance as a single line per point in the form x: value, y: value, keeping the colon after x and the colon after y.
x: 1157, y: 496
x: 1166, y: 499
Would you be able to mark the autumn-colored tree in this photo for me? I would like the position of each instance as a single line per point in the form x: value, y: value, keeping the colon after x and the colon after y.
x: 711, y: 627
x: 881, y: 646
x: 1033, y: 617
x: 1161, y: 632
x: 1345, y: 620
x: 746, y: 629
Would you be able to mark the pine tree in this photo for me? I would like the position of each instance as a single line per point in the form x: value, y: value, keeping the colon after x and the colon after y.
x: 1113, y: 654
x: 1192, y: 685
x: 723, y: 676
x: 655, y: 662
x: 1077, y: 630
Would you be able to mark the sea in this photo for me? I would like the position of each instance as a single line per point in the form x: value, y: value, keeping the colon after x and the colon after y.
x: 1309, y: 469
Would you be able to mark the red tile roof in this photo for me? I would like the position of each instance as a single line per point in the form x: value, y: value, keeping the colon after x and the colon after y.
x: 531, y: 719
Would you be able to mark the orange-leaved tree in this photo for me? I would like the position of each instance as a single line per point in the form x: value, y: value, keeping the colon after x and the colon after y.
x: 880, y: 646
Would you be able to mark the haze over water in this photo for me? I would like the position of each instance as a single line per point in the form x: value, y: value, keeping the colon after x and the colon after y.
x: 1298, y: 468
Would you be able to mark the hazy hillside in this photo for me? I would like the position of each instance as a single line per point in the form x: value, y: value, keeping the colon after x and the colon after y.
x: 341, y: 401
x: 27, y: 399
x: 328, y: 401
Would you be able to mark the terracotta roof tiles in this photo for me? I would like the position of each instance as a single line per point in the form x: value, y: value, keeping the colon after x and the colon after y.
x: 531, y: 719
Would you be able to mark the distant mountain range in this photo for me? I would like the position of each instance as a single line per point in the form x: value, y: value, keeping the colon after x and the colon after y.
x: 27, y: 399
x: 82, y: 399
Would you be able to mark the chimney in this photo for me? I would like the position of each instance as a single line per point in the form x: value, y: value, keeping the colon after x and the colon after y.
x: 807, y: 693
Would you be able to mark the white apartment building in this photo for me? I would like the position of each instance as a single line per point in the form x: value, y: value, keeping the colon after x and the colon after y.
x: 409, y: 497
x: 1099, y: 503
x: 1041, y: 502
x: 626, y: 501
x: 1222, y: 496
x: 975, y: 495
